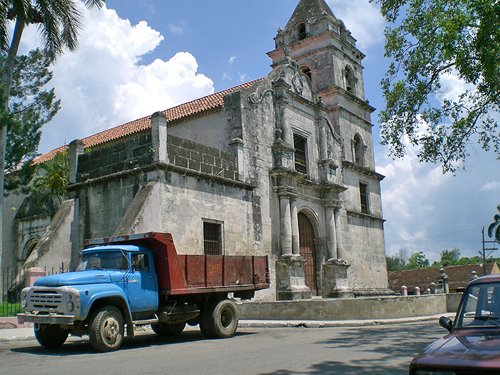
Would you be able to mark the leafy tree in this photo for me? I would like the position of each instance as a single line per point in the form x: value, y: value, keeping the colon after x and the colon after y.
x: 464, y: 261
x: 494, y: 227
x: 58, y: 22
x: 52, y: 178
x: 30, y: 107
x: 449, y: 257
x: 417, y: 260
x: 395, y: 262
x: 426, y: 40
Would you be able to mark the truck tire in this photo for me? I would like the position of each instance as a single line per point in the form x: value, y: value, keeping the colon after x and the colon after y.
x: 168, y: 330
x: 221, y: 320
x: 106, y: 329
x: 50, y: 336
x: 205, y: 321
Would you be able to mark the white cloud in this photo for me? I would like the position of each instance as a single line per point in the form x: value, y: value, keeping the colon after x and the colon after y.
x: 452, y: 86
x: 179, y: 28
x: 244, y: 77
x: 103, y: 84
x: 232, y: 59
x: 491, y: 186
x: 428, y: 211
x: 362, y: 18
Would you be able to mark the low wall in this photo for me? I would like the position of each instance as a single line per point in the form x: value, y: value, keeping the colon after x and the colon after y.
x: 346, y: 309
x: 452, y: 301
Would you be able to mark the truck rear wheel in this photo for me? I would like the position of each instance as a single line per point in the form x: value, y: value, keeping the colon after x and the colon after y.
x: 50, y: 336
x: 106, y: 329
x: 220, y: 319
x: 168, y: 330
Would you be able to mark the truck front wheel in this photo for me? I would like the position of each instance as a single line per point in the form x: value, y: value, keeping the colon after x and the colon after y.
x: 220, y: 320
x: 50, y: 336
x: 168, y: 330
x: 106, y: 329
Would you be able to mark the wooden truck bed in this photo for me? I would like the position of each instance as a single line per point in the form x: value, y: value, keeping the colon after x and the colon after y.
x: 195, y: 274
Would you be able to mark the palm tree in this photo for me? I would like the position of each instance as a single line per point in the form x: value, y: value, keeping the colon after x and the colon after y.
x: 494, y: 228
x: 59, y: 22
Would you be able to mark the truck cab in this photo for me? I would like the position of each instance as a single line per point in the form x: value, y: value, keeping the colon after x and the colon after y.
x: 131, y: 268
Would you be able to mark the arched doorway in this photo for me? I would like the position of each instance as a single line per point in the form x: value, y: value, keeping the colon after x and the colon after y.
x: 306, y: 244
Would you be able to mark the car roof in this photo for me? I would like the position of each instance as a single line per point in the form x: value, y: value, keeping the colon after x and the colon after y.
x: 493, y: 278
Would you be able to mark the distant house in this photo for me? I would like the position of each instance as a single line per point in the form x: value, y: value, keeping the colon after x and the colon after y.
x: 458, y: 277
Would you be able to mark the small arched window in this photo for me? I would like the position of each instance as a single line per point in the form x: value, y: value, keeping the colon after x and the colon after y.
x: 349, y: 79
x: 302, y: 31
x: 358, y: 150
x: 306, y: 71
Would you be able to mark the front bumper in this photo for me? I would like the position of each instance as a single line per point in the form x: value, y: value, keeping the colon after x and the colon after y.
x: 46, y: 319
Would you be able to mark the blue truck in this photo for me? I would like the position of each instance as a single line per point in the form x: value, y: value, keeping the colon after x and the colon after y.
x: 128, y: 281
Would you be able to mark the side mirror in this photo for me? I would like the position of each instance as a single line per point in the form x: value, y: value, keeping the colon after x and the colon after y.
x: 446, y: 323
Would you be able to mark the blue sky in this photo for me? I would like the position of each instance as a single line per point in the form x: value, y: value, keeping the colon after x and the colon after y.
x: 140, y: 56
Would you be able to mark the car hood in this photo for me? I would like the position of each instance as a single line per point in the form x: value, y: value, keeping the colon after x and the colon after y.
x: 464, y: 348
x: 81, y: 278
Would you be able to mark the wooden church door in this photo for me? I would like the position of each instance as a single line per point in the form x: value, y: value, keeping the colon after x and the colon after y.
x: 306, y: 243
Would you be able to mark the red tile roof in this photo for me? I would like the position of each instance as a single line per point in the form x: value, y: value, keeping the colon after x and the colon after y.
x: 174, y: 115
x: 458, y: 276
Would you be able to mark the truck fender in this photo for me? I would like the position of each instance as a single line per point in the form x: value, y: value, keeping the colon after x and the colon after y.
x: 106, y: 294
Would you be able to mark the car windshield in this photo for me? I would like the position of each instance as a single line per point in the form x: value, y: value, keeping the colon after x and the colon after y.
x: 103, y: 260
x: 480, y: 307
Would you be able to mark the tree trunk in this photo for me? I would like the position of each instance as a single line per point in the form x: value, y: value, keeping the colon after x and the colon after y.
x: 4, y: 102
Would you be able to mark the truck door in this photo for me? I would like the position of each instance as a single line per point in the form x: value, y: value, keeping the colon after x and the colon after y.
x: 142, y: 284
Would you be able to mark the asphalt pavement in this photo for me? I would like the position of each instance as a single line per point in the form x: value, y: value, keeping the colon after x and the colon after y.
x: 20, y: 334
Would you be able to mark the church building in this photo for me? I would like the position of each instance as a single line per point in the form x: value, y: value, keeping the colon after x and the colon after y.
x: 281, y: 166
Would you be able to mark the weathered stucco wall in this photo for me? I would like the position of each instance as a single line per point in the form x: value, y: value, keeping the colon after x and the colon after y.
x: 347, y: 308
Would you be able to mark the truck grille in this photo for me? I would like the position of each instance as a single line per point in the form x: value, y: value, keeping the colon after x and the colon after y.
x: 45, y: 300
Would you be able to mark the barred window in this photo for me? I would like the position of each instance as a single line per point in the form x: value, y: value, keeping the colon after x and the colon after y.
x: 363, y: 192
x: 300, y: 153
x: 212, y: 238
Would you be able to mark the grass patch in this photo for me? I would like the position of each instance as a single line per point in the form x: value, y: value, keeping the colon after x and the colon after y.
x: 9, y: 309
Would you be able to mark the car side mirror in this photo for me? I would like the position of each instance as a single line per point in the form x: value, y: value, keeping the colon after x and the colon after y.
x: 446, y: 323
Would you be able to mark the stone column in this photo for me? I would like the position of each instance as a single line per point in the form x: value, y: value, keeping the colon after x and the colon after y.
x: 76, y: 148
x: 159, y: 137
x: 338, y: 234
x: 332, y: 233
x: 295, y: 228
x: 286, y: 226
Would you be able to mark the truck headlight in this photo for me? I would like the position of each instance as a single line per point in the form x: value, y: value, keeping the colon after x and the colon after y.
x: 70, y: 306
x: 23, y: 304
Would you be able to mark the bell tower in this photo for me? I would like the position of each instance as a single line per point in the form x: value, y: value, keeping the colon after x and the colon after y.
x: 326, y: 52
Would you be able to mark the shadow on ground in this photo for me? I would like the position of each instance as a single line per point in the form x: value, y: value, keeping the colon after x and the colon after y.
x: 384, y: 345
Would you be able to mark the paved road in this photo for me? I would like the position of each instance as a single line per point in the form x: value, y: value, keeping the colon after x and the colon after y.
x: 384, y: 350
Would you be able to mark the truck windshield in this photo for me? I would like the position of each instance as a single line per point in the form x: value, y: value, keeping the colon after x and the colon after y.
x: 480, y: 307
x: 109, y: 260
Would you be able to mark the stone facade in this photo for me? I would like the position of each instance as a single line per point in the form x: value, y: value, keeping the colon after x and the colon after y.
x: 283, y: 167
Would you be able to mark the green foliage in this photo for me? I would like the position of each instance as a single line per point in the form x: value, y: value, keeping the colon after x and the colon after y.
x: 59, y: 21
x: 425, y: 40
x: 9, y: 309
x: 417, y: 260
x: 31, y: 106
x: 395, y: 262
x: 52, y: 178
x: 494, y: 227
x: 450, y: 257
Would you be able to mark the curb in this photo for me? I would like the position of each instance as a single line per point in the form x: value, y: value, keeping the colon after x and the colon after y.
x: 335, y: 323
